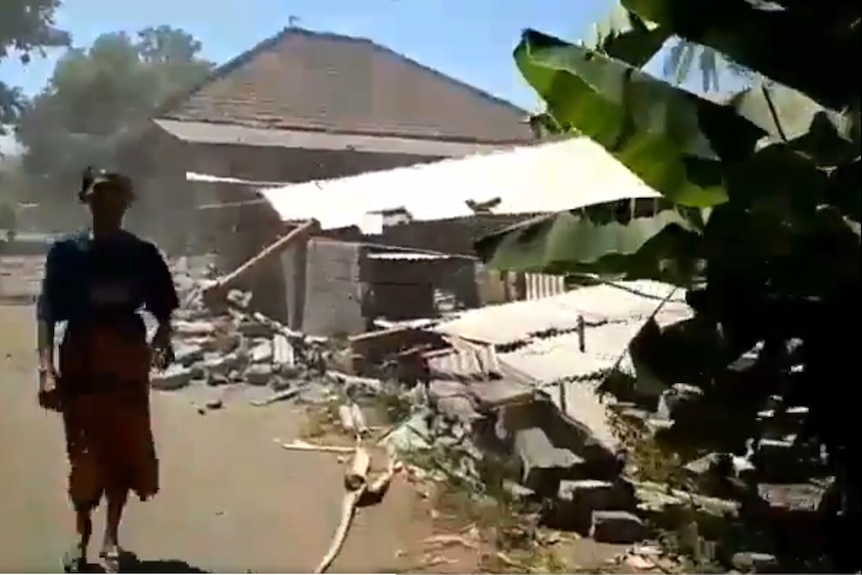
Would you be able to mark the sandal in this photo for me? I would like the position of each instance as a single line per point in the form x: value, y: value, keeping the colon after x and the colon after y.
x: 74, y: 560
x: 111, y: 560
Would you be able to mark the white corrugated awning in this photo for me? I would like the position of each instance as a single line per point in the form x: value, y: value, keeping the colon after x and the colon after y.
x: 210, y: 179
x: 526, y: 180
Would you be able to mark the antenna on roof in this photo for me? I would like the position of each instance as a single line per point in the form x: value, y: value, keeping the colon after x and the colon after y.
x: 293, y: 21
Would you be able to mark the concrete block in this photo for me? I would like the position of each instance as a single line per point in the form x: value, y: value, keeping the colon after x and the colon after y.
x: 543, y: 465
x: 175, y: 377
x: 619, y: 527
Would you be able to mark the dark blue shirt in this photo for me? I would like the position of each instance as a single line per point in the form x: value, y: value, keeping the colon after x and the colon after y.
x: 87, y: 278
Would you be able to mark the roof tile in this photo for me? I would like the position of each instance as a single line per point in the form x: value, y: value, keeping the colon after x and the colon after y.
x: 317, y: 81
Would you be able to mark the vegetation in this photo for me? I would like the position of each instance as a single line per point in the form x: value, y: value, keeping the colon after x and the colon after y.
x: 99, y: 94
x: 26, y: 27
x: 759, y: 208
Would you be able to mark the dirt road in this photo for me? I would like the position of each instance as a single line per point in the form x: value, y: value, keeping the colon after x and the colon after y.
x: 232, y: 500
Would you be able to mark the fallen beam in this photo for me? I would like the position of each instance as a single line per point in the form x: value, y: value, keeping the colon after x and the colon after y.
x: 215, y: 294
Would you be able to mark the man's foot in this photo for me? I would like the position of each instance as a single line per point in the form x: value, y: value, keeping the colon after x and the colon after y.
x: 111, y: 556
x: 75, y: 559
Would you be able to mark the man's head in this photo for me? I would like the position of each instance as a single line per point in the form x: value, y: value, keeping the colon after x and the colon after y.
x: 107, y: 194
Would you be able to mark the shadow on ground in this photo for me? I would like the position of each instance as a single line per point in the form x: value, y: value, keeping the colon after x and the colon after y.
x: 162, y: 566
x: 130, y: 563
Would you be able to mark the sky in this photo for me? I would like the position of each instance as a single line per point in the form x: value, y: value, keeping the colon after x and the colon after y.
x: 471, y: 40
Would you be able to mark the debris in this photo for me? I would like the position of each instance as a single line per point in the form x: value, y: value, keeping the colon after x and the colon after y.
x: 753, y: 562
x: 617, y: 527
x: 345, y: 417
x: 279, y: 396
x: 444, y: 540
x: 357, y: 476
x: 214, y: 404
x: 348, y: 509
x: 356, y: 481
x: 299, y: 445
x: 174, y: 377
x: 358, y: 418
x: 541, y: 461
x: 215, y: 294
x: 380, y: 485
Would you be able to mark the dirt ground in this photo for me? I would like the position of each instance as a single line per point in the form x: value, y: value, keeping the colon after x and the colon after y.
x: 232, y: 500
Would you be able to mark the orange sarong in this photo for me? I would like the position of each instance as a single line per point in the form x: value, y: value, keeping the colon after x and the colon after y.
x: 104, y: 397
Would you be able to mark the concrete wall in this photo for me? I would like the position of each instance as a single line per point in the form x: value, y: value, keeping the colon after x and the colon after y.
x: 333, y: 287
x: 335, y: 297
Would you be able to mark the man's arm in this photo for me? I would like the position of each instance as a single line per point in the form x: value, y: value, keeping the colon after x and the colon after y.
x: 160, y: 296
x: 46, y: 310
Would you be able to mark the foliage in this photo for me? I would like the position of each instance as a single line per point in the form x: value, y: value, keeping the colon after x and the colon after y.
x: 683, y: 56
x: 773, y: 151
x: 760, y: 195
x: 26, y: 27
x: 96, y: 95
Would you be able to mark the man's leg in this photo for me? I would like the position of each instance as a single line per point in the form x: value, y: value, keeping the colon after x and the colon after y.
x: 117, y: 499
x: 110, y: 554
x: 76, y: 557
x: 85, y: 492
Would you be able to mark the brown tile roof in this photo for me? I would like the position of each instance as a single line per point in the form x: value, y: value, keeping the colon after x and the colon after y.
x: 318, y: 81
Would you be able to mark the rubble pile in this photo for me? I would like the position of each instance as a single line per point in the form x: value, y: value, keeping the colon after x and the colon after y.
x: 472, y: 430
x: 478, y: 439
x: 237, y: 346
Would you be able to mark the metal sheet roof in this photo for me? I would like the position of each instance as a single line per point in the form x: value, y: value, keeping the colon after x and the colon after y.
x: 407, y: 256
x: 527, y: 180
x: 516, y: 322
x: 559, y: 358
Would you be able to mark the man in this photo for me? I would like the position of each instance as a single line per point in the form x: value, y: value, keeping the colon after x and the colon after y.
x: 96, y: 281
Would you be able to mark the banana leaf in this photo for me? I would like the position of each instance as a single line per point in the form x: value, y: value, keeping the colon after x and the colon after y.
x: 828, y: 137
x: 623, y: 35
x: 663, y: 246
x: 797, y: 45
x: 673, y: 140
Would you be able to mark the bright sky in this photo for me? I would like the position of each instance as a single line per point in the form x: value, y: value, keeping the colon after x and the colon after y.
x: 469, y: 39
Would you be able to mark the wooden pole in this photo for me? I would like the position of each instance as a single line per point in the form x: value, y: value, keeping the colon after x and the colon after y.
x: 213, y: 294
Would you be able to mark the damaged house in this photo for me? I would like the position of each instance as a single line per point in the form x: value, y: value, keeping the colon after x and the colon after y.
x: 297, y: 107
x: 370, y: 264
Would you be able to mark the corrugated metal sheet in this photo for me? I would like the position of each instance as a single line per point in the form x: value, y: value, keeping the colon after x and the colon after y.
x: 407, y: 256
x: 516, y: 322
x: 570, y: 376
x: 474, y: 363
x: 559, y: 358
x: 210, y: 179
x: 525, y: 180
x: 539, y: 286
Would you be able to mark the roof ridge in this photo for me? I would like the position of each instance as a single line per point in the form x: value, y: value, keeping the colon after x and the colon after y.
x: 222, y: 70
x: 243, y: 58
x: 448, y: 78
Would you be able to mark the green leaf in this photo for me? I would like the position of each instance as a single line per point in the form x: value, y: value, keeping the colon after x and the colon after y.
x: 797, y: 46
x: 844, y: 190
x: 673, y: 140
x: 601, y: 239
x: 827, y: 136
x: 625, y: 36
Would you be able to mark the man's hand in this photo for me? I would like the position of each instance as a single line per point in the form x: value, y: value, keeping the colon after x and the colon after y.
x: 162, y: 347
x: 48, y: 396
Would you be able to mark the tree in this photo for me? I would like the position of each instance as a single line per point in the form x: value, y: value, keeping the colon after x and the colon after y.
x: 26, y: 27
x: 759, y: 211
x: 95, y: 95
